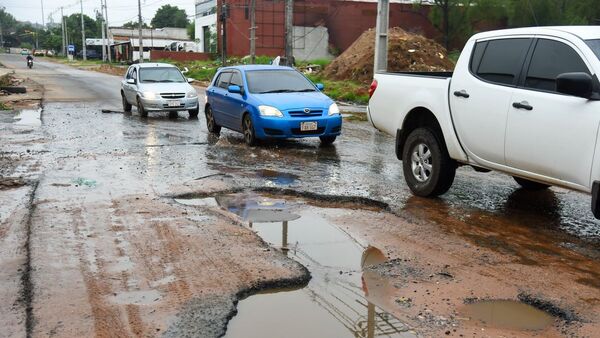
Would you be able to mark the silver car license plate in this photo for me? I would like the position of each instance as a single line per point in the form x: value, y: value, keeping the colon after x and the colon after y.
x: 174, y: 103
x: 308, y: 126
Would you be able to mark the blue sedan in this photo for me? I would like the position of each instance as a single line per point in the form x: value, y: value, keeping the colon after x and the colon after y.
x: 270, y: 102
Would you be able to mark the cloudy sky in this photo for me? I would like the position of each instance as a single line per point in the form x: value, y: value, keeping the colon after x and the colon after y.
x: 119, y: 11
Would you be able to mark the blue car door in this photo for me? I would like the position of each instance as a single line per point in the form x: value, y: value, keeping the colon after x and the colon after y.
x: 234, y: 103
x: 218, y: 92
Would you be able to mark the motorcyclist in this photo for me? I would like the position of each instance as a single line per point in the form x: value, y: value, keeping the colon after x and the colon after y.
x: 29, y: 59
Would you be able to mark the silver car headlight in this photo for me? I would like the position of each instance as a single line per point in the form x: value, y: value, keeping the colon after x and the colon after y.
x: 334, y: 110
x: 149, y: 95
x: 192, y: 95
x: 269, y: 111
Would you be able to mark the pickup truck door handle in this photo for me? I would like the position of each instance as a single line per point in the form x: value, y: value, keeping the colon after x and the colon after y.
x: 462, y: 93
x: 522, y: 105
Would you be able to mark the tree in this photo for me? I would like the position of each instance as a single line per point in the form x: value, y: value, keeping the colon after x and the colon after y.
x: 191, y: 30
x: 73, y: 23
x: 170, y: 16
x: 134, y: 24
x: 451, y: 18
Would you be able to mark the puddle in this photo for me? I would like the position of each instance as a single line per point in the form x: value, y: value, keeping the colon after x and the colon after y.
x: 29, y: 117
x: 341, y: 300
x: 80, y: 181
x: 143, y: 297
x: 507, y: 314
x: 277, y: 177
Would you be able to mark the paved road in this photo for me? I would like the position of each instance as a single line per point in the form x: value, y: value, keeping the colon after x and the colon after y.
x: 100, y: 230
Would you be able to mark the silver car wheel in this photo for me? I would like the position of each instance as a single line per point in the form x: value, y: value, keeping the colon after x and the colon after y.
x: 421, y: 162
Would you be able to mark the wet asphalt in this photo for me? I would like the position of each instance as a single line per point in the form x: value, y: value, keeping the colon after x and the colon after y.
x: 169, y: 151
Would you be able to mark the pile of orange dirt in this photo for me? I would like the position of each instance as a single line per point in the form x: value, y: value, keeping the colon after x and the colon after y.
x: 406, y: 52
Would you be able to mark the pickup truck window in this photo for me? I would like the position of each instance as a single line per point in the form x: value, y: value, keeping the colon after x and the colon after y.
x: 502, y: 60
x: 550, y: 59
x: 595, y: 46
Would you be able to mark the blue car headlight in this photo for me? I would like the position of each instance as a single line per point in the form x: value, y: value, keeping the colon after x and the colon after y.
x: 269, y: 111
x: 334, y: 110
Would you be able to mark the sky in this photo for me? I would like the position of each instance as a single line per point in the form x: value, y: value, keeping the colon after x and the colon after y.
x: 119, y: 11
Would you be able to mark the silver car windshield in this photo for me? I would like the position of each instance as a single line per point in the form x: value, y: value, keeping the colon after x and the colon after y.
x: 595, y: 46
x: 160, y: 74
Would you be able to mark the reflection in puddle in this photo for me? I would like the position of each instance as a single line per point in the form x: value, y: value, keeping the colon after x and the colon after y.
x: 277, y: 177
x: 29, y: 117
x: 507, y: 314
x: 341, y: 300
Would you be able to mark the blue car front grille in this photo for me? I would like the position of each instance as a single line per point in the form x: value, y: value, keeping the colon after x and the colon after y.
x: 302, y: 113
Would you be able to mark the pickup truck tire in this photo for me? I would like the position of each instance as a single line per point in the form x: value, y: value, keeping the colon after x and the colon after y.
x: 428, y: 169
x: 530, y: 185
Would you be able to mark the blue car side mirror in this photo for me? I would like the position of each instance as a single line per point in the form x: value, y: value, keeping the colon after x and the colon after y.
x: 234, y: 89
x: 320, y: 86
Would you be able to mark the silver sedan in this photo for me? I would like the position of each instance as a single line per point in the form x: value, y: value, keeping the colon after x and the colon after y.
x: 158, y: 87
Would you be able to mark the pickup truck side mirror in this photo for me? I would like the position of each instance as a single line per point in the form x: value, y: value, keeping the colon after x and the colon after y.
x: 576, y: 84
x: 131, y: 81
x: 234, y: 89
x: 320, y: 86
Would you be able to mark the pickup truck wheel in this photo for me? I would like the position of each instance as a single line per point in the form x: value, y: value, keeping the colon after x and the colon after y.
x: 140, y: 108
x: 428, y: 169
x: 126, y: 105
x: 530, y: 185
x: 211, y: 125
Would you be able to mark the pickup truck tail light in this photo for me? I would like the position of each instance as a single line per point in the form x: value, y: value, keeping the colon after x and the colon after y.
x: 372, y: 88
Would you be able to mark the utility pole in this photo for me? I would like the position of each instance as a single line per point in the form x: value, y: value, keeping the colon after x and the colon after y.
x: 107, y: 31
x: 43, y: 25
x: 289, y: 32
x: 224, y: 15
x: 381, y: 36
x: 252, y: 31
x: 102, y: 29
x: 1, y: 37
x: 140, y: 29
x: 83, y: 48
x: 62, y: 26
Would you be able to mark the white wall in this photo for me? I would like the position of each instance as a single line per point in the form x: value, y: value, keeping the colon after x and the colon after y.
x: 210, y: 21
x: 311, y: 43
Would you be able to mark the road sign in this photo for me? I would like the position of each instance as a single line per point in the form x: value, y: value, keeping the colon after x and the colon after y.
x: 71, y: 48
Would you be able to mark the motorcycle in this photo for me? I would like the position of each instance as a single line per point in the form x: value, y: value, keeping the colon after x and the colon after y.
x: 30, y: 63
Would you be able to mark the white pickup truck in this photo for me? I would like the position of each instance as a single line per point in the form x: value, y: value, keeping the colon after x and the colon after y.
x: 524, y: 101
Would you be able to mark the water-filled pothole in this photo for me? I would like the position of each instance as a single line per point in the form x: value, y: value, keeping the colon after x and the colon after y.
x: 344, y: 298
x: 29, y: 117
x: 508, y: 314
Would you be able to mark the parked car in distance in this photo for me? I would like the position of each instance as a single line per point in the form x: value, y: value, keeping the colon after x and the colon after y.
x: 524, y: 101
x: 270, y: 102
x: 25, y: 51
x: 158, y: 87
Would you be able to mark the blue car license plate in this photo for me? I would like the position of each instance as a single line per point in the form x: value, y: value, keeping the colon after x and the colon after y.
x: 308, y: 126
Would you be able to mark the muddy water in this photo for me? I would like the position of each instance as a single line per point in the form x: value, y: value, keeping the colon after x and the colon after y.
x: 343, y: 298
x: 29, y: 117
x: 506, y: 314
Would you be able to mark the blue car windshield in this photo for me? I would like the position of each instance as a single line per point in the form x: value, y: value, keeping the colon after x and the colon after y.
x: 160, y: 74
x: 595, y: 46
x: 277, y: 81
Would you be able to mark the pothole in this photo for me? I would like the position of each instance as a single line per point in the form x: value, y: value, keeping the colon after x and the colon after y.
x: 29, y: 117
x: 344, y: 298
x: 508, y: 314
x: 277, y: 177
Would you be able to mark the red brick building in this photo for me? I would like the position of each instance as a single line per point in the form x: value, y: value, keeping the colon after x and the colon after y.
x: 344, y: 20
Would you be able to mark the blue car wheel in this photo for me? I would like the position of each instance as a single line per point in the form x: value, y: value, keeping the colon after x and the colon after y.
x: 249, y: 135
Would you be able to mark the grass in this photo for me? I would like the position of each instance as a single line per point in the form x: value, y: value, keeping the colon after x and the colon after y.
x: 4, y: 106
x: 346, y: 91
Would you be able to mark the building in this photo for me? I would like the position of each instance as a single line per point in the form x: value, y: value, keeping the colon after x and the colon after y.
x: 125, y: 41
x: 321, y: 27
